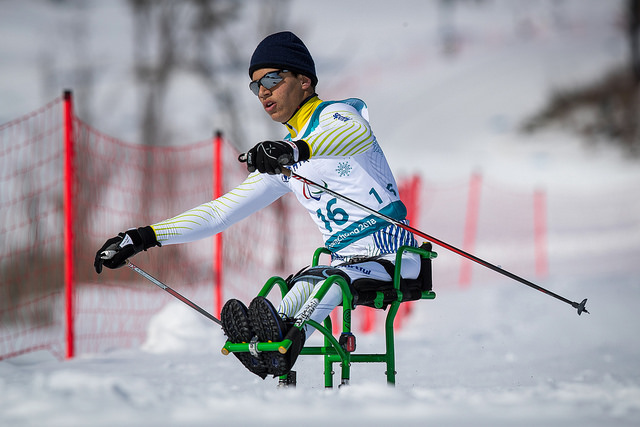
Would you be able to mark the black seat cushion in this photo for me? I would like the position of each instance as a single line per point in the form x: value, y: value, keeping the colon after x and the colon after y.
x: 379, y: 293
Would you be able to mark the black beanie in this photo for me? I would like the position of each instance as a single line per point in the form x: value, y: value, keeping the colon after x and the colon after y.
x: 286, y: 51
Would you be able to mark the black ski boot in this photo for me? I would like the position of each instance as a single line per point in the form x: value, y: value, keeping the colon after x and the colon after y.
x: 270, y: 327
x: 237, y: 328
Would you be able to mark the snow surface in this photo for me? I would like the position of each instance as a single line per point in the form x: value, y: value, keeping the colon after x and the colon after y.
x: 496, y: 354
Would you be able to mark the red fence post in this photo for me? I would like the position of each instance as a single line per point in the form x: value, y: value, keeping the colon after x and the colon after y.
x: 69, y: 175
x: 217, y: 242
x: 540, y: 231
x: 471, y: 226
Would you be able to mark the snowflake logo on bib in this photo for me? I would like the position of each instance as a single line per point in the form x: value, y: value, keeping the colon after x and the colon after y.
x: 344, y: 169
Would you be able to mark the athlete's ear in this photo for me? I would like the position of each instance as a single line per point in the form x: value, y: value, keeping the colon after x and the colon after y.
x: 305, y: 82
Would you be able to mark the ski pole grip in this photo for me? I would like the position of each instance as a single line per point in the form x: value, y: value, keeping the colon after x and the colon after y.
x: 242, y: 158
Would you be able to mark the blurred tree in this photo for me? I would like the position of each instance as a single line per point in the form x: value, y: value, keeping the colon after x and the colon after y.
x: 447, y: 30
x: 172, y: 37
x: 633, y: 31
x: 608, y: 109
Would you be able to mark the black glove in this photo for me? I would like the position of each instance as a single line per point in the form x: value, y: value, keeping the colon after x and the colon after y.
x: 270, y: 156
x: 114, y: 253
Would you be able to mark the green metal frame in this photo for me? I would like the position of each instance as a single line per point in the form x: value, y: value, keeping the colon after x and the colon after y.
x: 331, y: 350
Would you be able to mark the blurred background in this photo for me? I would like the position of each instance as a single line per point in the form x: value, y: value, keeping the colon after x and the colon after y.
x: 518, y: 119
x: 437, y: 74
x: 512, y: 127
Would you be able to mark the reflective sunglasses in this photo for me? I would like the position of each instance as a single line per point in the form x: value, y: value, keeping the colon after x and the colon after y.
x: 269, y: 80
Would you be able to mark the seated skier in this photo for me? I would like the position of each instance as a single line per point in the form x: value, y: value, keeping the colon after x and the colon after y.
x: 329, y: 142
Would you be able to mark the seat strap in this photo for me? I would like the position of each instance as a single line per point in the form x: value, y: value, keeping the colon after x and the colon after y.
x: 318, y: 273
x: 388, y: 265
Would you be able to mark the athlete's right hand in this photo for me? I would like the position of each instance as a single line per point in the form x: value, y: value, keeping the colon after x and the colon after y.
x: 115, y: 252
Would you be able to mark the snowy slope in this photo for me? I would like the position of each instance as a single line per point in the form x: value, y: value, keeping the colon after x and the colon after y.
x: 492, y: 356
x: 495, y: 354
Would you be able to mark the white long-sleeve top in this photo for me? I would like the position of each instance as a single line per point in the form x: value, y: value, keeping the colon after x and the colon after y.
x: 345, y: 157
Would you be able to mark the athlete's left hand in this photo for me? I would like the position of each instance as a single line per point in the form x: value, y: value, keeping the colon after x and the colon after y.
x: 270, y: 156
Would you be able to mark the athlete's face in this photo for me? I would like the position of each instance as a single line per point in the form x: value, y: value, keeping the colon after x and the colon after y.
x: 282, y: 100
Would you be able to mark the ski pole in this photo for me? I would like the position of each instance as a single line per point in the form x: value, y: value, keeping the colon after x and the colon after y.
x: 109, y: 254
x: 172, y: 292
x: 579, y: 306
